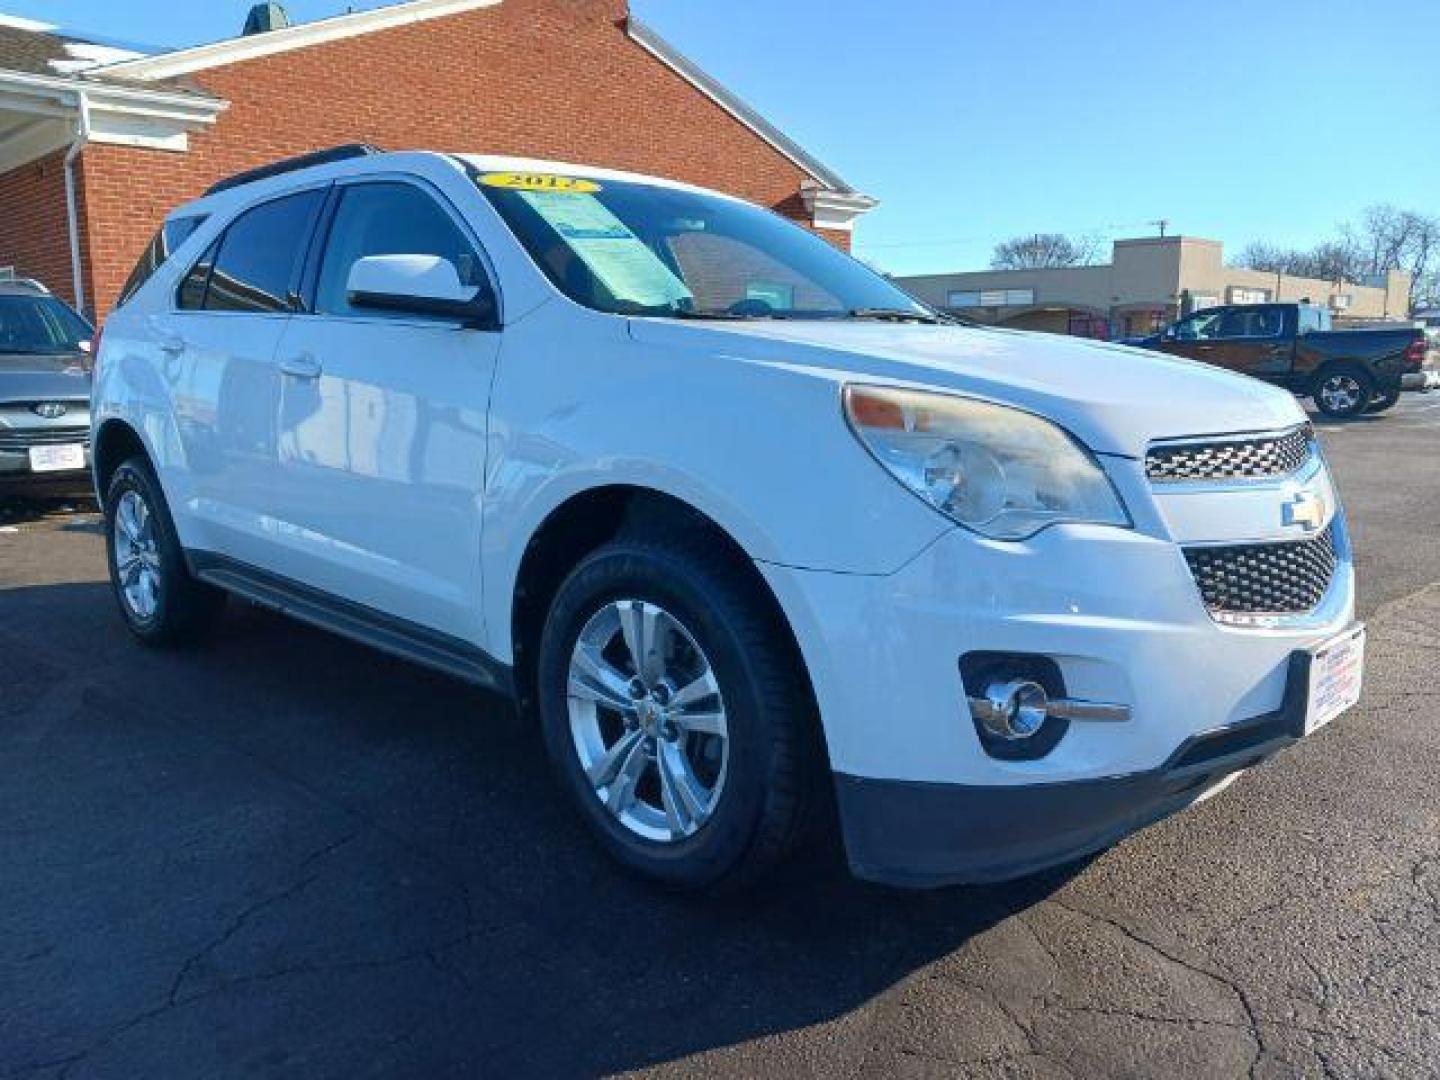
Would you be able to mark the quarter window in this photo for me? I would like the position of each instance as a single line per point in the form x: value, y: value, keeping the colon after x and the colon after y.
x: 388, y: 219
x: 167, y: 238
x: 258, y: 257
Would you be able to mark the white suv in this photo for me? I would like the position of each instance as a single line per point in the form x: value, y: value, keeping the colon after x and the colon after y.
x: 739, y: 522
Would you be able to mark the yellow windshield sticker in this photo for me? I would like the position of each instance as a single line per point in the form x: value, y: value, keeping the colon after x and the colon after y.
x: 568, y: 185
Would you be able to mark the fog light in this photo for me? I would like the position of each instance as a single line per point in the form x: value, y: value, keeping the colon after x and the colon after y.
x: 1012, y: 710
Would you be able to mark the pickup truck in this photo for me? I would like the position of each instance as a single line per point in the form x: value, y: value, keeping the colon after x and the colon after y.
x: 1346, y: 372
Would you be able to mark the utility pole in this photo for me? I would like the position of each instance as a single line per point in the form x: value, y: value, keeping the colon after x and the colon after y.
x: 1162, y: 224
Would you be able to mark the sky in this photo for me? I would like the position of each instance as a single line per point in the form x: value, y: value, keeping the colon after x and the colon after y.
x: 976, y: 120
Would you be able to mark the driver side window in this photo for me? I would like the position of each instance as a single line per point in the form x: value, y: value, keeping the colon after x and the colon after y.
x: 1202, y: 326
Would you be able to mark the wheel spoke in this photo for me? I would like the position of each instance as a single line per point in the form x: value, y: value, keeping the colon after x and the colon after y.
x: 695, y: 691
x: 593, y: 678
x: 702, y: 722
x: 641, y: 627
x: 142, y: 522
x: 125, y: 518
x: 603, y: 772
x: 148, y: 592
x: 620, y: 793
x: 683, y: 810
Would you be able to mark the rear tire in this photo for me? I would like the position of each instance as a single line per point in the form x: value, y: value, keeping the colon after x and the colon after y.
x: 1343, y: 391
x: 1383, y: 402
x: 742, y: 799
x: 158, y: 599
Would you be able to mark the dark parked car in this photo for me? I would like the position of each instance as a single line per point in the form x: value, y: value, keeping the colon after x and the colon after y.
x: 1347, y: 372
x: 44, y: 392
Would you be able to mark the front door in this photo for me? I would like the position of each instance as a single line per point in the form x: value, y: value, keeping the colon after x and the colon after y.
x: 382, y: 422
x: 1249, y: 339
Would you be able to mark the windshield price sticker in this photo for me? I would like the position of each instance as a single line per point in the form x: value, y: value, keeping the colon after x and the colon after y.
x: 619, y: 258
x: 567, y: 185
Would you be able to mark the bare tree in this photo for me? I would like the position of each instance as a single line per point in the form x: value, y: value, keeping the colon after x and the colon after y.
x: 1040, y: 250
x: 1387, y: 238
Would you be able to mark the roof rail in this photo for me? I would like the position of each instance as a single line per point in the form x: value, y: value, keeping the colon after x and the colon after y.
x: 285, y: 165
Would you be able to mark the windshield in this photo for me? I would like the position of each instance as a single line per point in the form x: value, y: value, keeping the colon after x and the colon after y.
x: 39, y: 324
x: 641, y: 249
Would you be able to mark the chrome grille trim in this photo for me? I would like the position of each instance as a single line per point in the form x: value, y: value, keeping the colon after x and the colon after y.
x: 19, y: 440
x: 1284, y: 578
x: 1246, y: 457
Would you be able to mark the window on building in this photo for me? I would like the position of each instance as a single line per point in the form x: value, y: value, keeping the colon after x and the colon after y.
x: 1240, y: 295
x: 388, y: 219
x: 1341, y: 301
x: 991, y: 298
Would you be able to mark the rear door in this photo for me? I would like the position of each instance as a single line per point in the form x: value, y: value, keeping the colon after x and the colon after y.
x: 217, y: 356
x: 382, y: 420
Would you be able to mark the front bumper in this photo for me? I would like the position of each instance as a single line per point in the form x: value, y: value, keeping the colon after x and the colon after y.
x: 1423, y: 381
x: 1119, y: 613
x: 923, y: 835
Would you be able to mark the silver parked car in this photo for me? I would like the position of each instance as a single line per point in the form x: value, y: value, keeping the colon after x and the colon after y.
x: 44, y: 392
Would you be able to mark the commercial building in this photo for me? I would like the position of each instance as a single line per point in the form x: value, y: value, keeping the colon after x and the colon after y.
x: 99, y: 141
x: 1146, y: 284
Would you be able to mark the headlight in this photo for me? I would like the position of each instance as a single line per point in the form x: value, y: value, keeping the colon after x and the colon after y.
x: 1002, y: 472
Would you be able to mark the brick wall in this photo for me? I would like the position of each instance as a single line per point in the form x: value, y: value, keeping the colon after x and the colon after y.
x: 541, y: 78
x: 34, y: 230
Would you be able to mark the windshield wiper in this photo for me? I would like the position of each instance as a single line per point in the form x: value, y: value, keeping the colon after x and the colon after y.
x: 896, y: 315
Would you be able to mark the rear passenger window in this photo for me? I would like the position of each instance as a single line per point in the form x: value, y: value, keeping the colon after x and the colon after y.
x: 192, y: 289
x: 388, y: 219
x: 169, y: 237
x: 258, y: 257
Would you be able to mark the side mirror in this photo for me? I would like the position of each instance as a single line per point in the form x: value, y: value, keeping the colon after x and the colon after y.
x: 419, y: 285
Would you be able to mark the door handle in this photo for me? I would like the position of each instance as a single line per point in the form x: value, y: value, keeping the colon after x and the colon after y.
x: 304, y: 366
x: 172, y: 344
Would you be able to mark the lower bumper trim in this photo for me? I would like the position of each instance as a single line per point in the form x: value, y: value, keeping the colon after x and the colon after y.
x: 919, y: 834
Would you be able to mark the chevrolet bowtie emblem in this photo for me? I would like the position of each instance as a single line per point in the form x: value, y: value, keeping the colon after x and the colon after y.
x: 1305, y: 509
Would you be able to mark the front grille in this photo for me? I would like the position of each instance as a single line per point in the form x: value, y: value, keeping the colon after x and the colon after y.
x: 1286, y: 578
x: 18, y: 440
x: 1231, y: 459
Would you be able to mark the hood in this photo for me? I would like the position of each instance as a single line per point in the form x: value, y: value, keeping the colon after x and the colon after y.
x: 1114, y: 398
x: 63, y: 377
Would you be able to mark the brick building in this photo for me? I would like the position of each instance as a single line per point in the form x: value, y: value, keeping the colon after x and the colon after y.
x: 98, y: 142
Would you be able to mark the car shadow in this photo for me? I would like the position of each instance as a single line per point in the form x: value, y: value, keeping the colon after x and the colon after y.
x: 339, y: 853
x: 24, y: 510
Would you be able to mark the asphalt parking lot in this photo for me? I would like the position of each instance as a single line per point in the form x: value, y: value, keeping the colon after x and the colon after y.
x: 286, y: 855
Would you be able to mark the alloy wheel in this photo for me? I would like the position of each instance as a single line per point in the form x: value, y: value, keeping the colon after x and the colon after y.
x: 648, y: 720
x: 1341, y: 393
x: 137, y: 556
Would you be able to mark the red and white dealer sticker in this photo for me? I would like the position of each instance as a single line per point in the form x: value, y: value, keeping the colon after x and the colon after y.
x: 1336, y: 674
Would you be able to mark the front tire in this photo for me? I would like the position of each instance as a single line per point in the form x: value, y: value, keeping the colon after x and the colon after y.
x: 158, y: 599
x: 1344, y: 391
x: 675, y: 715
